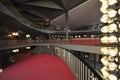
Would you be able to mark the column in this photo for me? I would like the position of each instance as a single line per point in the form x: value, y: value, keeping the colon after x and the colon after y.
x: 66, y: 26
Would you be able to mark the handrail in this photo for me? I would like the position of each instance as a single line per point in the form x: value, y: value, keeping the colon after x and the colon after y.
x: 68, y: 57
x: 82, y: 41
x: 97, y: 74
x: 80, y: 69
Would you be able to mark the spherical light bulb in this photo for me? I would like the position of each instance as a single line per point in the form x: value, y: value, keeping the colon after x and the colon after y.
x: 119, y: 66
x: 104, y: 50
x: 112, y: 28
x: 119, y: 25
x: 119, y: 53
x: 110, y: 20
x: 104, y: 9
x: 113, y: 51
x: 104, y: 69
x: 119, y: 39
x: 104, y: 18
x: 119, y: 11
x: 104, y: 1
x: 104, y: 39
x: 111, y: 58
x: 105, y: 73
x: 112, y: 66
x: 105, y: 77
x: 104, y: 29
x: 112, y: 39
x: 112, y: 77
x: 112, y: 13
x: 112, y: 2
x: 104, y: 61
x: 116, y: 59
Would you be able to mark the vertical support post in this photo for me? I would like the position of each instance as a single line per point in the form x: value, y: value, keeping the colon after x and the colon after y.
x: 67, y: 26
x: 49, y: 29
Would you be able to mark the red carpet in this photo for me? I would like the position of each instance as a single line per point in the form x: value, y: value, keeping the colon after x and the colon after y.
x: 38, y: 67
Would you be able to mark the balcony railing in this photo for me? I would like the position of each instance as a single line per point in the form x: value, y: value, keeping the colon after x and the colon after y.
x: 82, y: 41
x: 81, y: 69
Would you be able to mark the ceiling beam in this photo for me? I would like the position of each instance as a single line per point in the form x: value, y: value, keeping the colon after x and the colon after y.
x: 45, y: 3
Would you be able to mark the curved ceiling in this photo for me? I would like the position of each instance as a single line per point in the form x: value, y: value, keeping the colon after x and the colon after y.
x: 42, y: 11
x: 80, y: 12
x: 85, y: 14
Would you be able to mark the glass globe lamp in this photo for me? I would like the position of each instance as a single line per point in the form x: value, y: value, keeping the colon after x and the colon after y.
x: 112, y: 39
x: 104, y: 29
x: 110, y: 58
x: 105, y: 61
x: 112, y: 66
x: 104, y: 39
x: 119, y: 25
x: 113, y: 51
x: 112, y: 2
x: 112, y: 13
x: 112, y: 28
x: 119, y: 67
x: 104, y: 50
x: 119, y: 11
x: 112, y: 77
x: 104, y: 18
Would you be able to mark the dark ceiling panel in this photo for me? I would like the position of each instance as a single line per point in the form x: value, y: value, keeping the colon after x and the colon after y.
x: 45, y: 3
x: 74, y: 3
x: 31, y: 16
x: 38, y: 13
x: 19, y: 1
x: 65, y: 3
x: 59, y: 2
x: 45, y: 9
x: 43, y: 12
x: 81, y: 16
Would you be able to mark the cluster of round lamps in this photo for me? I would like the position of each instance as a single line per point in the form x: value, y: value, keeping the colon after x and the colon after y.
x: 110, y: 36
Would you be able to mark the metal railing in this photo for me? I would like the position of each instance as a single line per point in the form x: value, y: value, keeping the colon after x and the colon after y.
x: 81, y: 70
x: 82, y: 41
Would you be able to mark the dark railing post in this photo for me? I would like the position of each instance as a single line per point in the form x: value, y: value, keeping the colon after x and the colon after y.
x: 95, y: 72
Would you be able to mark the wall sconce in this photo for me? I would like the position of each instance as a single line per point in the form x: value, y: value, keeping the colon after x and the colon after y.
x: 15, y: 50
x: 15, y: 33
x: 28, y: 47
x: 27, y: 36
x: 110, y: 36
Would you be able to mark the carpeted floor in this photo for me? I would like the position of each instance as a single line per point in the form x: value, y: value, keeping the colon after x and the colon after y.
x: 38, y: 67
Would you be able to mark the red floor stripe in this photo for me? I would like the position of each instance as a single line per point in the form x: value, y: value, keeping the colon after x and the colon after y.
x: 38, y: 67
